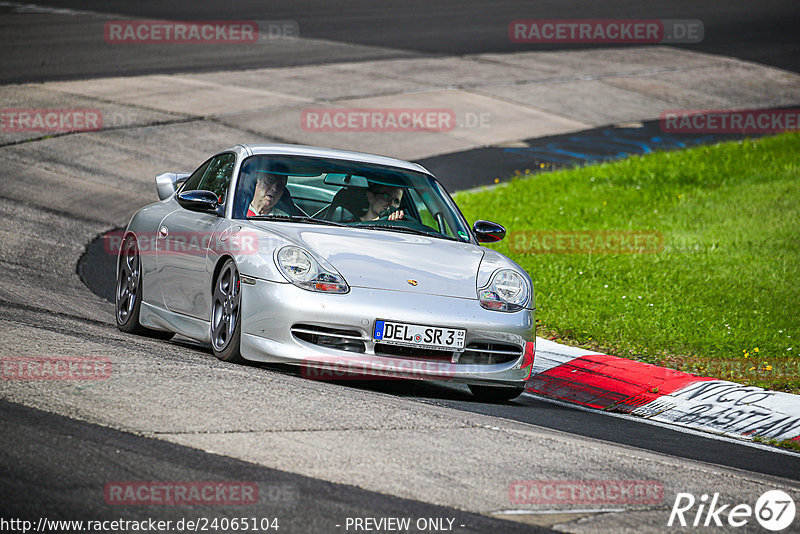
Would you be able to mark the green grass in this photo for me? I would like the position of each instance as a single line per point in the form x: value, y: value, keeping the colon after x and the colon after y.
x: 726, y: 284
x: 786, y: 443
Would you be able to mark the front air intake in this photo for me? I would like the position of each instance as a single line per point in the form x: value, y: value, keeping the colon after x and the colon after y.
x: 490, y: 353
x: 332, y: 338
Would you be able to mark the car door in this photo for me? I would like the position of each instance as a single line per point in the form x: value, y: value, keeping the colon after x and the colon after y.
x: 184, y: 239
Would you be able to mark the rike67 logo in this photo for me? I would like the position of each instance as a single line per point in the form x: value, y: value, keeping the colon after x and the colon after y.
x: 774, y: 510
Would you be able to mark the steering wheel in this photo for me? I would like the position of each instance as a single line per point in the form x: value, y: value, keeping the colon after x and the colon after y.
x: 384, y: 215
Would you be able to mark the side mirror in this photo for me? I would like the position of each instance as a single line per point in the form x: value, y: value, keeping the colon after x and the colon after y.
x: 167, y: 183
x: 488, y: 232
x: 203, y: 201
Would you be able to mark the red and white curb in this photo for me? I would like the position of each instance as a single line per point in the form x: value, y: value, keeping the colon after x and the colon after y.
x: 660, y: 394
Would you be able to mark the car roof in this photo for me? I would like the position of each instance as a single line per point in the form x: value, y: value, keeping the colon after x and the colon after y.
x: 313, y: 151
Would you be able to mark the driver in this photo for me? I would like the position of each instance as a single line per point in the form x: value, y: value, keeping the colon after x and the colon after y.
x: 269, y: 190
x: 382, y: 198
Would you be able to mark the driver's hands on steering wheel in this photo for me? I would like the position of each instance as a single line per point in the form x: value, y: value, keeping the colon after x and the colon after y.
x: 392, y: 214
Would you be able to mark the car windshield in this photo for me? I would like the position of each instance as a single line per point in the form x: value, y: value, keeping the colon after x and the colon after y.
x: 347, y: 193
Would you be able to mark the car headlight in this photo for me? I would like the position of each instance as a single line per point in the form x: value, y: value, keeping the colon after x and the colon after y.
x: 301, y: 269
x: 507, y: 291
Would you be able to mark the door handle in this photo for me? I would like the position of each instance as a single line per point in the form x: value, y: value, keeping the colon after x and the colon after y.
x: 228, y: 232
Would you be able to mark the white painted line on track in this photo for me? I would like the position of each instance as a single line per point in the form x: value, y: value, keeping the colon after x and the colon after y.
x: 19, y: 7
x: 566, y: 511
x: 678, y: 428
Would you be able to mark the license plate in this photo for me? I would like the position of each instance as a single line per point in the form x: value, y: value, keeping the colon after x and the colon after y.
x: 418, y: 335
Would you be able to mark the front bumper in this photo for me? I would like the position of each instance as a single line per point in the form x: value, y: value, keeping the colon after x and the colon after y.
x: 271, y: 313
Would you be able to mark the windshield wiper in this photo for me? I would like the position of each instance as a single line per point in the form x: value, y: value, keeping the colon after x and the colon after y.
x: 294, y: 218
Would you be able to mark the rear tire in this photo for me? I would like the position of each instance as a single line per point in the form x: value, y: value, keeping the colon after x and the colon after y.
x: 496, y: 393
x: 226, y: 320
x: 128, y: 295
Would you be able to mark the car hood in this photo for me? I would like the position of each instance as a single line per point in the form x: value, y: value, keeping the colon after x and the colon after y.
x: 380, y: 259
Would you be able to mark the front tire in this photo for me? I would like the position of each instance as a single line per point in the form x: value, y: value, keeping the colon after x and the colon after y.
x: 496, y: 393
x: 128, y: 296
x: 226, y: 320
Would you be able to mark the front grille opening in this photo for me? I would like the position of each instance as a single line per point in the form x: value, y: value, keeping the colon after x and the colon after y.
x: 332, y: 338
x: 414, y: 353
x: 490, y: 353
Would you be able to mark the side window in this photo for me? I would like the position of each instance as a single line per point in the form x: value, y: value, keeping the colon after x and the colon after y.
x: 193, y: 181
x: 218, y: 174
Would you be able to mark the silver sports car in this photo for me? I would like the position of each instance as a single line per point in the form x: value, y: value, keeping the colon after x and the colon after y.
x: 341, y: 262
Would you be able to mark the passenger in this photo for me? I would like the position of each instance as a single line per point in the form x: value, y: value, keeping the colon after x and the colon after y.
x: 269, y: 191
x: 383, y: 198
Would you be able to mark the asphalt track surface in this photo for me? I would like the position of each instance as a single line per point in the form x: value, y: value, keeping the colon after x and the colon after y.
x: 48, y: 476
x: 763, y: 31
